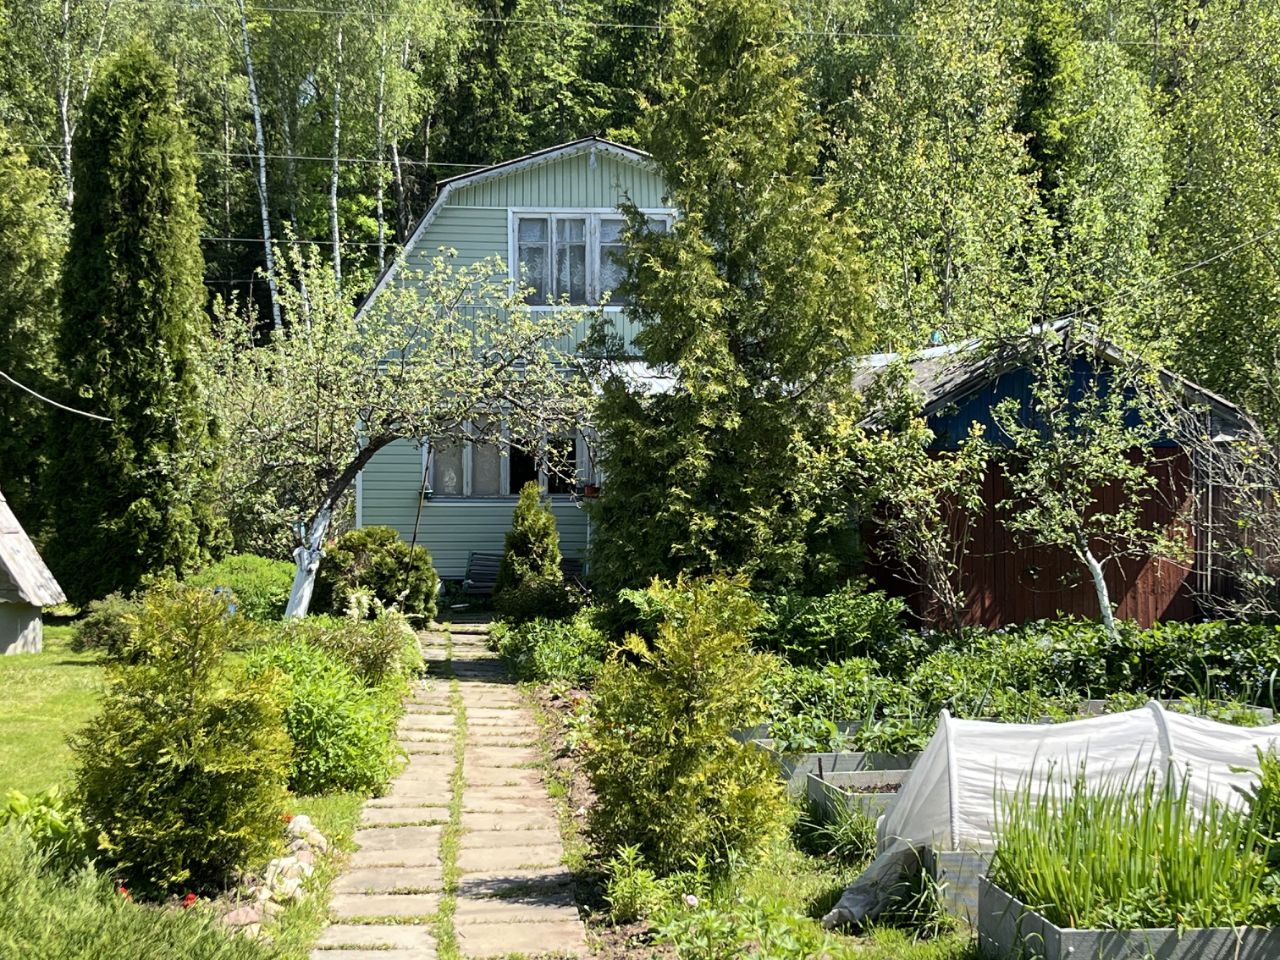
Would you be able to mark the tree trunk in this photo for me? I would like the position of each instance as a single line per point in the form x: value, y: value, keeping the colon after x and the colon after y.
x: 64, y: 101
x: 291, y: 190
x: 308, y: 554
x: 380, y: 149
x: 260, y: 143
x: 1099, y: 585
x: 333, y: 171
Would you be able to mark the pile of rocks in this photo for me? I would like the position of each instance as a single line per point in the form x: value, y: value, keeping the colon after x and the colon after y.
x: 282, y: 881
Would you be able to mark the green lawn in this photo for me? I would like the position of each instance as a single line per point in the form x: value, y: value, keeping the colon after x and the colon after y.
x: 43, y: 698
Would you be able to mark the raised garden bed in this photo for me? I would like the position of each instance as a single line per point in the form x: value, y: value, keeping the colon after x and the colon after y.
x: 867, y: 791
x: 796, y: 768
x: 1010, y: 930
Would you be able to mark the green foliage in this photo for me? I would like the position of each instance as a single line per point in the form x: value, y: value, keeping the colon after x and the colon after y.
x: 546, y: 650
x: 342, y: 731
x: 531, y: 550
x: 376, y: 560
x: 668, y: 777
x: 259, y: 585
x: 1135, y: 853
x: 633, y: 891
x: 182, y: 773
x: 382, y: 651
x: 131, y: 496
x: 32, y: 238
x: 848, y: 622
x: 754, y: 301
x: 107, y: 625
x: 537, y: 597
x: 55, y: 829
x: 85, y: 916
x: 848, y: 836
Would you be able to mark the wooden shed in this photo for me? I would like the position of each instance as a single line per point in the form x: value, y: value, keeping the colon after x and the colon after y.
x: 1007, y: 582
x: 26, y: 586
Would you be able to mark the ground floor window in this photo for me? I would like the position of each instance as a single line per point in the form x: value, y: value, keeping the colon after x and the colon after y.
x: 489, y: 462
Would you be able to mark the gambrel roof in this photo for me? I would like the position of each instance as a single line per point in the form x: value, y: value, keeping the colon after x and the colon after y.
x: 21, y: 564
x: 587, y: 145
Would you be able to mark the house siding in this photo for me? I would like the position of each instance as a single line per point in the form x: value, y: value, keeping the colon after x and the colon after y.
x: 450, y: 529
x: 474, y: 220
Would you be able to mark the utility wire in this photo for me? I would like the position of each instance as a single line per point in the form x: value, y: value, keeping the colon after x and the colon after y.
x: 303, y: 243
x: 292, y: 156
x: 53, y: 403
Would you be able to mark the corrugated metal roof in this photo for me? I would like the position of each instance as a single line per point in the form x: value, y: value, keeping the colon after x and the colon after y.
x: 22, y: 564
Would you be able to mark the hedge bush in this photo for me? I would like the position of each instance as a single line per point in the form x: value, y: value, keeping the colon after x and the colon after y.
x: 342, y: 730
x: 260, y: 585
x: 536, y: 598
x: 546, y: 650
x: 182, y: 773
x: 380, y: 651
x: 375, y: 560
x: 107, y: 625
x: 668, y: 777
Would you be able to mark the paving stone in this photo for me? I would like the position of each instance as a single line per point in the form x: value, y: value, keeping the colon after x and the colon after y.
x: 483, y: 775
x: 402, y: 936
x: 427, y: 748
x: 498, y: 940
x: 521, y: 804
x: 348, y: 906
x: 420, y: 792
x: 487, y: 839
x: 498, y: 859
x: 401, y: 816
x: 404, y: 857
x: 398, y: 838
x: 440, y: 722
x: 487, y: 910
x: 415, y: 953
x: 389, y: 880
x: 492, y: 712
x: 536, y: 883
x: 510, y: 822
x: 501, y: 756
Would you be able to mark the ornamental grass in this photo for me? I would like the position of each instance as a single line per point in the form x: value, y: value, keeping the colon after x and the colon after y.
x: 1142, y: 852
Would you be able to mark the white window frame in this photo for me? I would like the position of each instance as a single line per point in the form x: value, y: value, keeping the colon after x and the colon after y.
x: 593, y: 216
x: 582, y: 468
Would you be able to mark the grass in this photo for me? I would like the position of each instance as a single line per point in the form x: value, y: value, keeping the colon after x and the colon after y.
x: 44, y: 697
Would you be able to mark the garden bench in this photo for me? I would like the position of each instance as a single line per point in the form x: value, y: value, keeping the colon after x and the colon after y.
x: 482, y: 574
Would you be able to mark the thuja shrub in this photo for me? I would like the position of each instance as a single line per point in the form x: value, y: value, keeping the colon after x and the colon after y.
x: 107, y: 625
x: 342, y: 730
x: 375, y: 560
x: 668, y: 777
x: 182, y: 773
x: 259, y: 585
x: 530, y: 583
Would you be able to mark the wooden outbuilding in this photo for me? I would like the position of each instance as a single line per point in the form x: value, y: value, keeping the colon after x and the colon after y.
x: 1005, y: 581
x: 26, y: 587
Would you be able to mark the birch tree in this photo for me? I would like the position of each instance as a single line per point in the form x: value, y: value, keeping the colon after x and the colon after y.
x: 436, y: 351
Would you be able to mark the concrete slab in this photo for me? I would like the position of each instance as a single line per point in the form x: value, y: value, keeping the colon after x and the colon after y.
x: 350, y: 906
x: 500, y: 859
x: 422, y: 879
x: 481, y: 940
x: 540, y: 820
x: 402, y: 816
x: 488, y: 839
x: 407, y: 857
x: 366, y: 935
x: 414, y: 953
x: 398, y: 838
x: 483, y: 910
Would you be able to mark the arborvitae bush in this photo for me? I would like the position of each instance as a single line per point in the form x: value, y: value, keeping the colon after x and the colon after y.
x: 130, y: 497
x: 107, y: 625
x: 532, y: 547
x: 182, y: 773
x: 668, y: 776
x: 375, y: 560
x: 259, y: 585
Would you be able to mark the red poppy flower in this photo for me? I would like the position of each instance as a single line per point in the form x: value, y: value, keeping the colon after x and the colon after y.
x: 188, y: 900
x: 124, y: 892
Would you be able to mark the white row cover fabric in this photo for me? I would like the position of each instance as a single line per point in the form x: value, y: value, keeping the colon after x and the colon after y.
x: 949, y: 800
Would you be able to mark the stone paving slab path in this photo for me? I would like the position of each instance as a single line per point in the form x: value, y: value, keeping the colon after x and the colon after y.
x: 462, y: 856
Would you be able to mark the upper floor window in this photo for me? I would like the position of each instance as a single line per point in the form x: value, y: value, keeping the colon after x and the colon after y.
x: 571, y: 257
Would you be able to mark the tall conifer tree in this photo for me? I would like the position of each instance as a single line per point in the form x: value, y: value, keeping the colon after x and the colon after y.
x: 32, y: 239
x: 753, y: 305
x: 128, y: 495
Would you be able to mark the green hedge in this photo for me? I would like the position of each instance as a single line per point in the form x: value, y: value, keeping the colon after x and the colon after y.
x: 260, y: 585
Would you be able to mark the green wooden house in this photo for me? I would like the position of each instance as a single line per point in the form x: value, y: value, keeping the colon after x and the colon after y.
x: 553, y: 216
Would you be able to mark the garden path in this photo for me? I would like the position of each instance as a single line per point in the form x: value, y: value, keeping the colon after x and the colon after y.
x: 462, y: 857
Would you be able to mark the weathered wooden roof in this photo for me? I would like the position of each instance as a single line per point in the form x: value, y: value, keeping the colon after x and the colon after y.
x: 22, y: 564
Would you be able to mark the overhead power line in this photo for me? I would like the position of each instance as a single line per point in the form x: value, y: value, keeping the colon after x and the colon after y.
x: 293, y: 156
x: 53, y: 403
